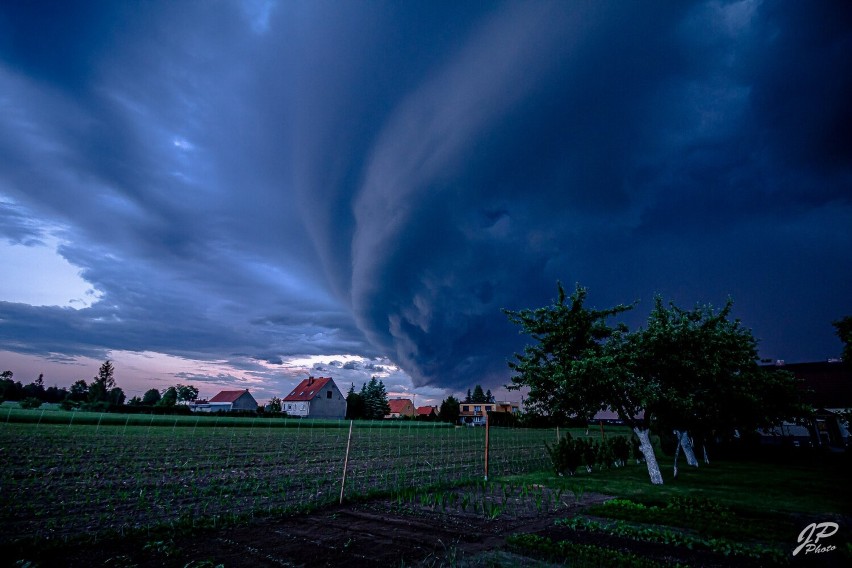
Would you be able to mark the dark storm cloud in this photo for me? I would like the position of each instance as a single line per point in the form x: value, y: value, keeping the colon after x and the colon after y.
x: 267, y: 179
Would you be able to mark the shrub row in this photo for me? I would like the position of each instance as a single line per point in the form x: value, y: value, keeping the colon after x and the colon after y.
x: 568, y: 453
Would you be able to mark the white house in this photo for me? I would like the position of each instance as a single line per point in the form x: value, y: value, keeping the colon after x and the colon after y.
x: 315, y: 398
x: 226, y: 401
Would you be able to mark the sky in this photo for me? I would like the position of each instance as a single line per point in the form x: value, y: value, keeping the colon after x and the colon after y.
x: 240, y: 194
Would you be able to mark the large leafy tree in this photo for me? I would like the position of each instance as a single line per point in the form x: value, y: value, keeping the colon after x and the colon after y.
x: 706, y: 367
x: 151, y: 397
x: 186, y: 393
x: 578, y: 364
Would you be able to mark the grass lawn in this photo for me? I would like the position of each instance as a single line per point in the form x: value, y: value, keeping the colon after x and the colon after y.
x: 815, y: 484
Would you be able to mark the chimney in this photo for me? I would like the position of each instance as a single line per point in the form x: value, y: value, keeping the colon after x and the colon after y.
x: 310, y: 380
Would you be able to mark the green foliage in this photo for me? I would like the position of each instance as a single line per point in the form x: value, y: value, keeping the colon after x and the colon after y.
x: 354, y: 404
x: 843, y: 328
x: 577, y: 554
x: 103, y: 383
x: 30, y: 403
x: 375, y: 399
x: 169, y: 398
x: 274, y: 405
x: 449, y: 411
x: 565, y: 455
x: 720, y: 545
x: 151, y: 397
x: 186, y: 393
x: 706, y: 368
x: 568, y: 369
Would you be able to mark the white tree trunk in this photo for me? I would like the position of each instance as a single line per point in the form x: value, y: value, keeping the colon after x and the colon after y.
x: 706, y: 456
x: 676, y: 455
x: 648, y: 452
x: 685, y: 443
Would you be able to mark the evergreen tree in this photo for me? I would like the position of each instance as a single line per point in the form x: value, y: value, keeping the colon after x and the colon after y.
x: 843, y: 328
x: 449, y: 411
x: 478, y: 395
x: 468, y: 398
x: 354, y: 403
x: 102, y: 383
x: 375, y: 400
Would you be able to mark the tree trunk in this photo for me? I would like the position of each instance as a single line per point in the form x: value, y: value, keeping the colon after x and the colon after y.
x: 706, y: 456
x: 648, y: 451
x: 685, y: 443
x: 676, y: 455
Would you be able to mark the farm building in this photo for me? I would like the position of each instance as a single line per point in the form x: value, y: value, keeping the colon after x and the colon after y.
x: 227, y: 401
x: 315, y: 398
x: 401, y: 408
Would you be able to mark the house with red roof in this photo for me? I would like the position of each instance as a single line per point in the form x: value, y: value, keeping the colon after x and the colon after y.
x: 315, y: 398
x: 401, y: 408
x: 227, y: 401
x: 427, y: 412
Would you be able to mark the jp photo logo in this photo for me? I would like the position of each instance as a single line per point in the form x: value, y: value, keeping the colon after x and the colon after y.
x: 810, y: 536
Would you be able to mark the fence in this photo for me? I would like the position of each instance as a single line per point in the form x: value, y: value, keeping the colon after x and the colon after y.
x: 60, y: 478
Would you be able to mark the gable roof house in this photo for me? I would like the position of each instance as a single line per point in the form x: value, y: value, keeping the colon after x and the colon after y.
x: 401, y: 407
x: 315, y: 398
x: 227, y: 401
x: 427, y: 412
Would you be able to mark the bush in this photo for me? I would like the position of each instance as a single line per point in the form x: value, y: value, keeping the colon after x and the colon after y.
x: 565, y: 455
x: 30, y: 402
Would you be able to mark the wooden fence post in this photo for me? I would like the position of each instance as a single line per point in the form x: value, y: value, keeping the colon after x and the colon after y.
x: 346, y: 462
x: 487, y: 432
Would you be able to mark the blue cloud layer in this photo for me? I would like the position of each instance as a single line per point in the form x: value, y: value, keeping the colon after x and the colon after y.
x: 381, y: 179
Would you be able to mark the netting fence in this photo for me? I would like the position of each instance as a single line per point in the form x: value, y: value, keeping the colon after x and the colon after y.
x: 61, y: 479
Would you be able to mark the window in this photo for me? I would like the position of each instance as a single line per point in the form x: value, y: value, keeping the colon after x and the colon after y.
x: 328, y: 394
x: 477, y: 408
x: 465, y: 408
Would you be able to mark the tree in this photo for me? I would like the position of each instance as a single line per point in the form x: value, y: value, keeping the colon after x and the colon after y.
x: 169, y: 397
x: 706, y: 366
x: 354, y: 404
x: 274, y: 404
x: 375, y: 400
x: 488, y: 396
x: 578, y: 365
x: 843, y: 328
x: 151, y: 397
x: 187, y: 393
x: 116, y: 396
x: 468, y: 398
x: 449, y: 411
x: 478, y: 395
x: 135, y: 401
x: 79, y: 391
x: 102, y: 383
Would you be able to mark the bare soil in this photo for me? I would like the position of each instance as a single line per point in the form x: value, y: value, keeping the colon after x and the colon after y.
x: 380, y: 532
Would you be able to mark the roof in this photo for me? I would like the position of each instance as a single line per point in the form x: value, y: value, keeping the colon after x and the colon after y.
x: 427, y: 410
x: 228, y: 396
x: 400, y: 405
x: 308, y: 389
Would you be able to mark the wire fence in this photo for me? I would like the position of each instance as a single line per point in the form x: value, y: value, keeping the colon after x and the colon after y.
x: 65, y: 478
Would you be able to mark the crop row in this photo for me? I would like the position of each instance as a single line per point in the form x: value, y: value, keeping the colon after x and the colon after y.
x: 58, y: 481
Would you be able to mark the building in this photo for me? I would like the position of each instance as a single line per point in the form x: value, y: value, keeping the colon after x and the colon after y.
x: 427, y: 412
x: 401, y: 408
x: 474, y: 413
x: 827, y: 387
x: 315, y: 398
x: 227, y: 401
